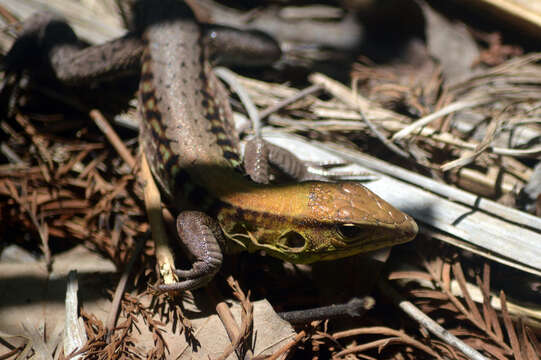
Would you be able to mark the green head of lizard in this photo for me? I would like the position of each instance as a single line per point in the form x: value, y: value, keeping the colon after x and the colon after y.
x: 313, y: 221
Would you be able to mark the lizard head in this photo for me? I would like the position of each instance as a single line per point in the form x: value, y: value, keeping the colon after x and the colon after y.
x: 314, y: 221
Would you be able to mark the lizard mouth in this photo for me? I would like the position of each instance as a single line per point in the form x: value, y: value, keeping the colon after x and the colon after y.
x: 295, y: 247
x: 301, y: 256
x: 380, y: 238
x: 364, y: 246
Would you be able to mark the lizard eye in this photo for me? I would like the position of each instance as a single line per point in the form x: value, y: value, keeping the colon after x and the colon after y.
x: 350, y: 231
x: 293, y: 240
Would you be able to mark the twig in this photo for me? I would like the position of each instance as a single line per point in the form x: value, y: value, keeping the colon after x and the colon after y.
x: 533, y: 152
x: 228, y: 320
x: 224, y: 313
x: 511, y: 333
x: 281, y: 104
x: 112, y: 136
x: 120, y: 288
x: 231, y: 79
x: 389, y: 144
x: 39, y: 141
x: 428, y: 323
x: 352, y: 308
x: 344, y: 94
x: 246, y: 318
x: 383, y: 342
x: 31, y: 208
x: 69, y: 165
x: 10, y: 154
x: 445, y: 284
x: 284, y: 348
x: 461, y: 279
x: 451, y: 108
x: 74, y: 334
x: 153, y: 206
x: 481, y: 147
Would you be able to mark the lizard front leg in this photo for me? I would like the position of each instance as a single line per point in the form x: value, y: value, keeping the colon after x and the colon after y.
x: 199, y: 236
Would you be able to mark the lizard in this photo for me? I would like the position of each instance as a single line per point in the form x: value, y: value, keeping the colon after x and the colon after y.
x: 187, y: 137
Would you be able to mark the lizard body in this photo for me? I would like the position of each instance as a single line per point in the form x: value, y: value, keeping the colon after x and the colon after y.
x: 191, y: 147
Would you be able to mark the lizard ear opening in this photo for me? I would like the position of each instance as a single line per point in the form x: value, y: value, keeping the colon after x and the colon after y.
x: 293, y: 241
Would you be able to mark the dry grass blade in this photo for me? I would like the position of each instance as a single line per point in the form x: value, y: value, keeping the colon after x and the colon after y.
x: 528, y: 348
x: 533, y: 347
x: 389, y: 144
x: 231, y: 79
x: 491, y: 318
x: 74, y: 335
x: 419, y: 275
x: 476, y: 320
x: 38, y: 140
x: 121, y: 287
x: 153, y: 207
x: 380, y: 344
x: 459, y: 275
x: 511, y: 333
x: 70, y: 164
x: 480, y: 148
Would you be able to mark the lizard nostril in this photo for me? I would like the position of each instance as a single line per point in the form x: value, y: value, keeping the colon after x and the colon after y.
x: 411, y: 229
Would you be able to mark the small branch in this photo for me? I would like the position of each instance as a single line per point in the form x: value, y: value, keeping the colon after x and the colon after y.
x: 301, y: 94
x: 354, y: 308
x: 153, y: 206
x: 384, y: 342
x: 246, y: 320
x: 74, y: 334
x: 39, y: 141
x: 480, y: 148
x: 230, y: 78
x: 120, y: 288
x: 428, y: 323
x: 112, y: 136
x: 287, y: 347
x: 389, y: 144
x: 511, y: 333
x: 451, y: 108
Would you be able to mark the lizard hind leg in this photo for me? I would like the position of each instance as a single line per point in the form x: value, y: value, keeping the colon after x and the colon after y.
x: 200, y: 236
x: 259, y: 154
x: 40, y: 36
